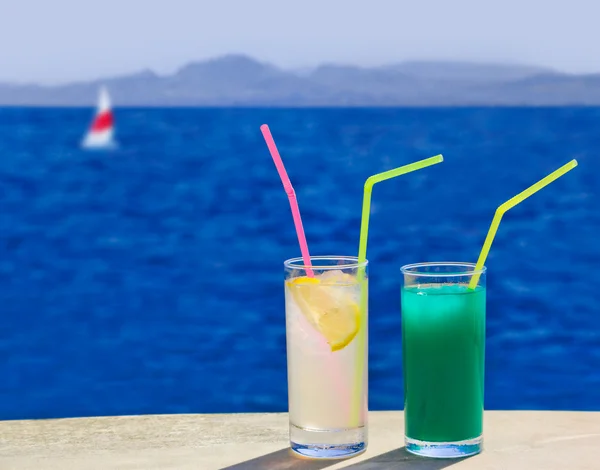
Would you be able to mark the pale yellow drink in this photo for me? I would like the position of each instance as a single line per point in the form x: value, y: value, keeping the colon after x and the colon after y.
x: 323, y: 324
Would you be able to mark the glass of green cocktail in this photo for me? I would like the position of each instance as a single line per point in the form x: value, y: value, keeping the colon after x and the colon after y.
x: 443, y: 346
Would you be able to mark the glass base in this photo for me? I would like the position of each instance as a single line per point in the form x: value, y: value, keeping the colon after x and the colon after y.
x: 444, y: 450
x: 328, y: 443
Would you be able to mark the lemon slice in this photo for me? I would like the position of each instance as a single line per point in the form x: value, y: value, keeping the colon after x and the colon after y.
x: 335, y: 315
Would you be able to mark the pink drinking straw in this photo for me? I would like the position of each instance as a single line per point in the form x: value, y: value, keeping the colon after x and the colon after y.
x: 289, y: 190
x: 291, y: 194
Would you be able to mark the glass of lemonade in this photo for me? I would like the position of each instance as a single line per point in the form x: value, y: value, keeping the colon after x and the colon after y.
x: 443, y: 346
x: 326, y: 334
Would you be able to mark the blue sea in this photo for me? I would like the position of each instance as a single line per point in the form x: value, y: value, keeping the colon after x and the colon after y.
x: 148, y: 279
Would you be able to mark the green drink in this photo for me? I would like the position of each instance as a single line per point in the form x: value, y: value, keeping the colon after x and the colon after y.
x: 443, y: 344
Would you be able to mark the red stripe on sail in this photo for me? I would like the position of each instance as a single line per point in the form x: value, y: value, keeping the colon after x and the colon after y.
x: 103, y: 122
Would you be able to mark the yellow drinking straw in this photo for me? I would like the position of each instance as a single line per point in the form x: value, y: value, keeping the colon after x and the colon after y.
x: 362, y: 257
x: 512, y: 202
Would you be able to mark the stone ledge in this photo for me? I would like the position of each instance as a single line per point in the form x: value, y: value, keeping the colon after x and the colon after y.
x: 514, y: 440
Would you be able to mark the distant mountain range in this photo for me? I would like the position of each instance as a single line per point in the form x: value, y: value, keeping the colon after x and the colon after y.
x: 237, y: 80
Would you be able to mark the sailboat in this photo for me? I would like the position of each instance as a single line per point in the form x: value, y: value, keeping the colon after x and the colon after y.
x: 100, y: 134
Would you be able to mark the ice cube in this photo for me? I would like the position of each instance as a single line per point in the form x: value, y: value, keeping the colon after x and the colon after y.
x: 337, y: 277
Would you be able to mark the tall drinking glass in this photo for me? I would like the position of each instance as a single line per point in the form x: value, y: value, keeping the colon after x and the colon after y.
x: 326, y: 331
x: 443, y: 346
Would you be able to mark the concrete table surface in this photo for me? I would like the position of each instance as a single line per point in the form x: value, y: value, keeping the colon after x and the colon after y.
x: 514, y: 440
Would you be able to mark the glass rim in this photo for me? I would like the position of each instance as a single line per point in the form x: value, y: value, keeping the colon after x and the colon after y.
x: 298, y: 263
x: 407, y: 269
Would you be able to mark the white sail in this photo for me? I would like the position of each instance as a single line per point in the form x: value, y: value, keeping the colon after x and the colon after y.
x: 101, y: 131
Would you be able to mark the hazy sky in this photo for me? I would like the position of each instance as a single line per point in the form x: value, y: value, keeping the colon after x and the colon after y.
x: 53, y: 41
